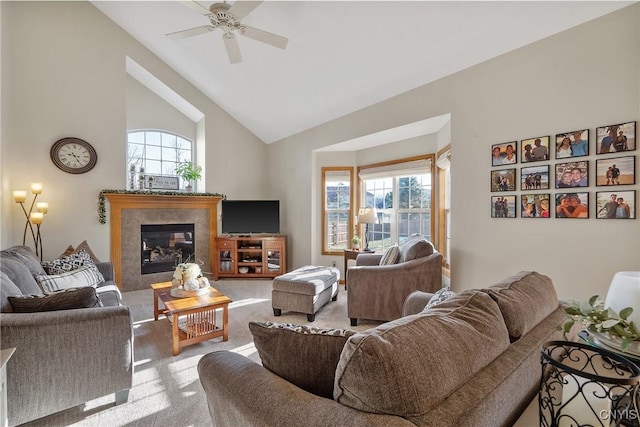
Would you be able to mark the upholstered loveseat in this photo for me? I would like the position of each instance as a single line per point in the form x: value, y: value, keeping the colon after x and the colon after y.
x: 63, y: 358
x: 472, y: 360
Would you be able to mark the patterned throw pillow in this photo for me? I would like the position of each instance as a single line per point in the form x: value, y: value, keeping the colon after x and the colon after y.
x: 440, y: 296
x: 65, y: 299
x: 303, y: 355
x: 391, y: 255
x: 82, y: 277
x: 70, y: 262
x: 82, y: 246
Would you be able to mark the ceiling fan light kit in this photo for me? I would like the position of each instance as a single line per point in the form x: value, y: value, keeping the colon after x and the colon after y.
x: 228, y: 19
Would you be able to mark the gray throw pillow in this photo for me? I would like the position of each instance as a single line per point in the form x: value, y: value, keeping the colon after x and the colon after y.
x: 391, y: 255
x: 305, y: 356
x: 66, y: 299
x: 440, y: 296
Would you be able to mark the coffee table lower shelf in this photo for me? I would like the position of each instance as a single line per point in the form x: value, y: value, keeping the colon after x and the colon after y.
x: 193, y: 319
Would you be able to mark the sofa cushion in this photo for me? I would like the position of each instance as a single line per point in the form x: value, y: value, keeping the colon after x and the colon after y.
x: 391, y: 255
x: 20, y: 275
x: 404, y: 367
x: 524, y: 300
x: 414, y: 248
x: 7, y: 289
x: 70, y: 262
x: 66, y: 299
x: 83, y: 276
x: 26, y: 256
x: 439, y: 297
x: 305, y: 356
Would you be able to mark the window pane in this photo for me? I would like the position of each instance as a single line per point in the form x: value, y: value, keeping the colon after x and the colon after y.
x: 169, y: 154
x: 153, y: 167
x: 137, y: 137
x: 153, y: 152
x: 169, y: 168
x: 152, y: 138
x: 168, y: 140
x: 337, y: 227
x: 184, y: 144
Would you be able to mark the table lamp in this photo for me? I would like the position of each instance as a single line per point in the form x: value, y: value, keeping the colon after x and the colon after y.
x: 624, y: 292
x: 367, y: 216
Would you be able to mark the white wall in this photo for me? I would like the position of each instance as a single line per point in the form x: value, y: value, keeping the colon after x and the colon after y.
x: 65, y: 65
x: 586, y: 77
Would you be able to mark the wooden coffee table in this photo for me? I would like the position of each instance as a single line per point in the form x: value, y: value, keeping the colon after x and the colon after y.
x: 193, y: 319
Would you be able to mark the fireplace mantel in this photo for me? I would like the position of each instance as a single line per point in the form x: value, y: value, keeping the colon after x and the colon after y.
x: 122, y: 201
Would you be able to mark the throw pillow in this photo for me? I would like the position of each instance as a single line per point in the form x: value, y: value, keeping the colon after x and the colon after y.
x: 305, y: 356
x: 65, y: 299
x: 70, y: 262
x: 391, y: 255
x: 83, y: 245
x: 82, y: 277
x: 440, y: 296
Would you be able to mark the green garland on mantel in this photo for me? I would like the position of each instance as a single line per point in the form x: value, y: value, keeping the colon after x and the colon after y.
x: 102, y: 217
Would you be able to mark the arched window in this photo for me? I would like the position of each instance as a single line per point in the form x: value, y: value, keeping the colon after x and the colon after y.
x: 158, y: 153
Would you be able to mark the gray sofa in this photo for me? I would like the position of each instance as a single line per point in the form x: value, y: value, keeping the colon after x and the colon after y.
x: 472, y: 360
x: 62, y: 358
x: 377, y: 292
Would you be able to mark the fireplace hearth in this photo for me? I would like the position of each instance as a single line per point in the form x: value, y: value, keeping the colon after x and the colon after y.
x: 163, y: 246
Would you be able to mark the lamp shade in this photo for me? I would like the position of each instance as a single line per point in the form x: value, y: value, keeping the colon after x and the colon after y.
x: 367, y: 216
x: 624, y: 292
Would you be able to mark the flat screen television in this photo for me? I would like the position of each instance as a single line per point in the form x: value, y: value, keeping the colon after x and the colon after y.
x: 250, y: 216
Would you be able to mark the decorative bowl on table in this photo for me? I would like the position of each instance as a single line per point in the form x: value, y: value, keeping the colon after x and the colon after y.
x: 243, y: 270
x: 614, y: 342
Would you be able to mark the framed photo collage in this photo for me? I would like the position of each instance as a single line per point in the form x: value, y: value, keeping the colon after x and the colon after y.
x: 555, y: 175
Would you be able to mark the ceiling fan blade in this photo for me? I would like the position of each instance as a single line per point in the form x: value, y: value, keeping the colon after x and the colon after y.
x: 265, y: 36
x: 191, y: 32
x: 233, y: 50
x: 241, y: 8
x: 195, y: 6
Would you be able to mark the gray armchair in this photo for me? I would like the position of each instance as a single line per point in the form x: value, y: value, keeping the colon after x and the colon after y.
x: 377, y: 292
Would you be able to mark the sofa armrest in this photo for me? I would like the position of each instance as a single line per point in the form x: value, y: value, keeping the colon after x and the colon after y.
x: 271, y: 400
x: 416, y: 302
x: 106, y: 268
x: 65, y: 358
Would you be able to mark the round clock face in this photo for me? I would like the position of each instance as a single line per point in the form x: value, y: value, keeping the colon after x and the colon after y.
x: 73, y: 155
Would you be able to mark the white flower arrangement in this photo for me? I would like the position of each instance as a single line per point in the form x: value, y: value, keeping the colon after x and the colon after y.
x: 188, y: 271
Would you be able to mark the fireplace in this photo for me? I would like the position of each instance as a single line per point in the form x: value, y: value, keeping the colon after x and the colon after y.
x: 163, y: 246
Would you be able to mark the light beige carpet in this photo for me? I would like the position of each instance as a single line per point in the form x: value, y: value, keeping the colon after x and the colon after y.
x: 166, y: 389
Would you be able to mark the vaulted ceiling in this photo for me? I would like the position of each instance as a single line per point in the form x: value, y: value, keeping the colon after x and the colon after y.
x: 341, y: 56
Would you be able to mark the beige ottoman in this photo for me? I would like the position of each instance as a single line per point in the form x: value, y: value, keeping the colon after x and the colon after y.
x: 305, y: 290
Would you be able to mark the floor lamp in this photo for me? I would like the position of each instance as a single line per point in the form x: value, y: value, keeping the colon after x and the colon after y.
x: 33, y: 218
x: 367, y: 216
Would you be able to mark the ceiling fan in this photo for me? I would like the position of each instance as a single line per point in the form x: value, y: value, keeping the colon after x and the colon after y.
x: 227, y: 18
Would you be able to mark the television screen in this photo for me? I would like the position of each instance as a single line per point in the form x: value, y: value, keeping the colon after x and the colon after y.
x: 250, y: 216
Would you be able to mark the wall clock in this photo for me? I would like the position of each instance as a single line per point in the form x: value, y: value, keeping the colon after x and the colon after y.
x: 73, y: 155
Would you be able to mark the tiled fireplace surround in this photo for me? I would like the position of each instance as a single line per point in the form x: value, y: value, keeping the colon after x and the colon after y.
x: 129, y: 211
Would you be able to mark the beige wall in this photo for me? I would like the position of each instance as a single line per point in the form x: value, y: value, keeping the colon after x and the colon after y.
x: 583, y: 78
x: 64, y: 63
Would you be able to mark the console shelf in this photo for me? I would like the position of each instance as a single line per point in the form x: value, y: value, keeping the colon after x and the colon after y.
x: 262, y: 257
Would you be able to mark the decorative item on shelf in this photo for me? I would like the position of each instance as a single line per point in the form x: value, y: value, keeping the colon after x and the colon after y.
x: 132, y: 176
x: 585, y: 385
x: 149, y: 183
x: 189, y: 172
x: 141, y: 179
x: 188, y: 281
x: 243, y: 270
x: 367, y: 216
x: 33, y: 218
x: 355, y: 242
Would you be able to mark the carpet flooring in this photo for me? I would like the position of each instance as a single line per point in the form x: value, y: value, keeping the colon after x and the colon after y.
x: 166, y: 389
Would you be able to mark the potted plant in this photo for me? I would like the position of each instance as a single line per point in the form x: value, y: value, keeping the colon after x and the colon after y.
x: 355, y: 241
x: 189, y: 172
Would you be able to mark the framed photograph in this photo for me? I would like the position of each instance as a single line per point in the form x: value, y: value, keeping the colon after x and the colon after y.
x: 534, y: 178
x: 503, y: 206
x: 503, y: 180
x: 504, y: 154
x: 616, y: 204
x: 616, y: 138
x: 572, y: 144
x: 572, y: 205
x: 572, y: 174
x: 535, y: 149
x: 535, y: 206
x: 616, y: 171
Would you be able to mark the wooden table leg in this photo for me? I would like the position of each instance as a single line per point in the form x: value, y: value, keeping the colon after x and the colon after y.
x: 176, y: 334
x: 225, y: 322
x: 155, y: 305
